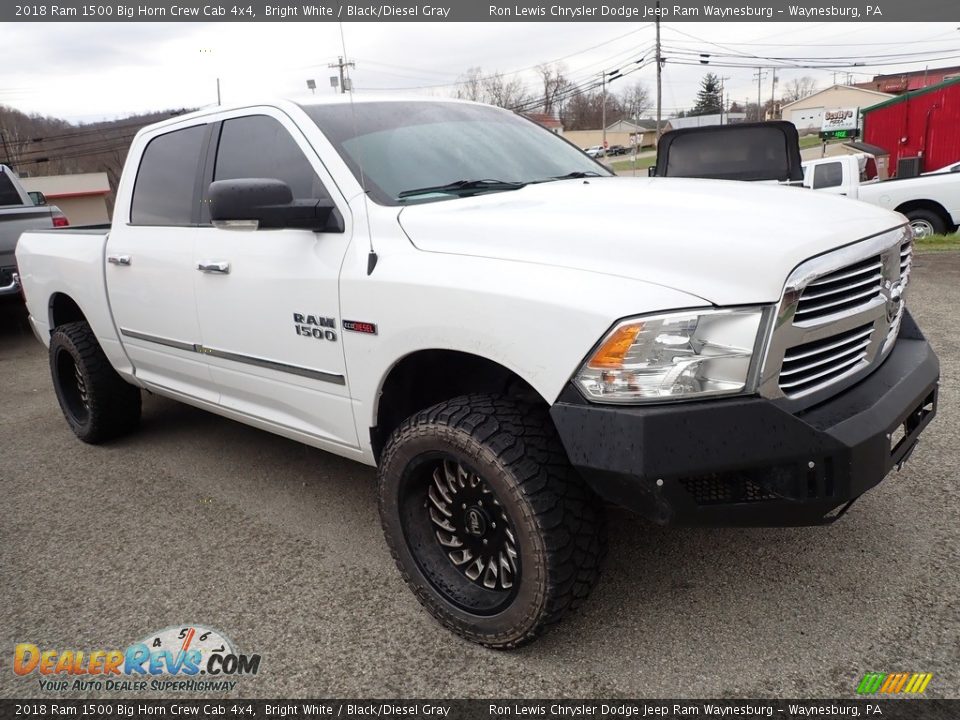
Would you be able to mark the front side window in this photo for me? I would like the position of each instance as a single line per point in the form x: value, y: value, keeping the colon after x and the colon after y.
x: 397, y: 148
x: 258, y: 146
x: 163, y: 193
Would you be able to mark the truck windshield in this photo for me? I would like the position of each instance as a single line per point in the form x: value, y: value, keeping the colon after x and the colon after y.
x: 418, y: 151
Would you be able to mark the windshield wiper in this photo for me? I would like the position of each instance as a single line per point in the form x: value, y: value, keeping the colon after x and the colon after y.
x: 577, y: 174
x: 570, y: 176
x: 459, y: 185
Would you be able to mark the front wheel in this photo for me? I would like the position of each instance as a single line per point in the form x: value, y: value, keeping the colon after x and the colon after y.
x: 489, y: 524
x: 97, y: 403
x: 926, y: 223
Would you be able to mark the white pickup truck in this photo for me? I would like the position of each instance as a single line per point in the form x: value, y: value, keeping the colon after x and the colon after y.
x: 452, y: 294
x: 931, y: 202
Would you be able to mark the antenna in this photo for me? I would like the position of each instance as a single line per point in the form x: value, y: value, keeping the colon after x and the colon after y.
x: 344, y: 74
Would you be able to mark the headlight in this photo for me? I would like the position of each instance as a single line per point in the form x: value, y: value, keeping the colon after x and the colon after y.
x: 676, y: 356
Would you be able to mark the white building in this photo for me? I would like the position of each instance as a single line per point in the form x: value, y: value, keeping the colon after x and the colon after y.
x: 807, y: 113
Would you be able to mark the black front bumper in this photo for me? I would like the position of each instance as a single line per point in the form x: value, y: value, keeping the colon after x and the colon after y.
x: 750, y: 461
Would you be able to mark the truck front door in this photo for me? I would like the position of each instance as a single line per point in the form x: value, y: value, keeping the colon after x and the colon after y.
x: 268, y: 300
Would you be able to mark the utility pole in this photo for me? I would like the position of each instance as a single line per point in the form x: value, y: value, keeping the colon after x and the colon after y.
x: 760, y: 74
x: 340, y: 64
x: 218, y: 91
x: 612, y: 75
x: 773, y: 93
x: 722, y: 102
x: 603, y: 108
x: 656, y: 21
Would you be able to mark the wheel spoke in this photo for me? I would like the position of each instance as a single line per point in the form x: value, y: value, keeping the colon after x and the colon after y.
x: 451, y: 541
x: 506, y: 571
x: 490, y: 575
x: 442, y: 522
x: 438, y: 482
x: 474, y: 570
x: 439, y: 504
x: 450, y: 477
x: 460, y: 557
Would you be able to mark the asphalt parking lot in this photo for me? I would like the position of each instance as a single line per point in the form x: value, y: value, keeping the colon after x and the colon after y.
x: 200, y: 519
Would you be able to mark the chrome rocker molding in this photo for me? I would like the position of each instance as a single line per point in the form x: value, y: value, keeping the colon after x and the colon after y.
x: 883, y: 311
x: 234, y: 357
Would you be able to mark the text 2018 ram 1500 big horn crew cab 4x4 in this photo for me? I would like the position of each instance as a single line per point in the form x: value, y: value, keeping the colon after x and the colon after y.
x: 453, y: 294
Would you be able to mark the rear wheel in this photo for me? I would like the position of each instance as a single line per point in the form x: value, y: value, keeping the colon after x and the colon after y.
x: 489, y: 524
x: 926, y: 223
x: 97, y: 403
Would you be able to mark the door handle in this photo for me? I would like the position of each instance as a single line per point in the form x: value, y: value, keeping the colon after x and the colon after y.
x: 216, y: 267
x: 118, y: 259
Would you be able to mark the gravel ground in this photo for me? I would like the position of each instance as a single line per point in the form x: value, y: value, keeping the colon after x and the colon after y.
x: 200, y: 519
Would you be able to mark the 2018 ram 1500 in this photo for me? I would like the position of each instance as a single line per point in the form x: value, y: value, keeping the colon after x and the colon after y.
x: 453, y: 294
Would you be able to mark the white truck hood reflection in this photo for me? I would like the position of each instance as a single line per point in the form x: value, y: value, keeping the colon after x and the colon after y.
x: 728, y: 242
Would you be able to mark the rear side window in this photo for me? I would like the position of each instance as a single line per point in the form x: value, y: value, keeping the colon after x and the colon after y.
x: 827, y: 175
x: 8, y: 193
x: 164, y: 191
x: 258, y: 146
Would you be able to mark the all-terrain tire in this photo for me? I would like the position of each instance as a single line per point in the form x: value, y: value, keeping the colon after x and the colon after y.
x: 97, y: 403
x: 511, y: 452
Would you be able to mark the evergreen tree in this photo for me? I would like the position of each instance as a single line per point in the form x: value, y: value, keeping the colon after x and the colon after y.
x: 709, y: 98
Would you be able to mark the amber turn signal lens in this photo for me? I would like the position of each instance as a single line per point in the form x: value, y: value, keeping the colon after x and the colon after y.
x: 615, y: 347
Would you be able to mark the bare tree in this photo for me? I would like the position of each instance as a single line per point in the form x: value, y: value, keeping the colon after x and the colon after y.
x: 505, y: 93
x: 636, y: 100
x: 555, y: 88
x: 492, y: 88
x: 799, y: 88
x: 470, y: 85
x: 584, y: 110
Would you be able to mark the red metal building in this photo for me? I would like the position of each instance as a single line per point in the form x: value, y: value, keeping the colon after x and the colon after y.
x: 899, y: 83
x: 924, y: 124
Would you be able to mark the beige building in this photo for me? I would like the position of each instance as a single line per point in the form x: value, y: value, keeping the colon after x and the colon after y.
x: 622, y: 132
x: 807, y: 113
x: 81, y: 197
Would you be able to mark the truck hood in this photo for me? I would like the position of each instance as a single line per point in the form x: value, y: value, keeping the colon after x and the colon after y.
x: 726, y: 242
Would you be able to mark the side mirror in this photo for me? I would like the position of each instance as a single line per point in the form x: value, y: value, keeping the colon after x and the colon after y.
x: 38, y: 197
x: 266, y: 203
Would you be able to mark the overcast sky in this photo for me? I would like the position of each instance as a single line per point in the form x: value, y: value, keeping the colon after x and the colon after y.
x: 84, y: 72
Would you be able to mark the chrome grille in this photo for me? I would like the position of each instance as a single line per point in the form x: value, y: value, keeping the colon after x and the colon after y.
x: 906, y: 259
x: 821, y: 361
x: 841, y: 290
x: 839, y: 317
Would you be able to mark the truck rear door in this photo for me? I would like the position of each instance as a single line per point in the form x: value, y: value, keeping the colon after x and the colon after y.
x: 151, y: 268
x: 268, y: 300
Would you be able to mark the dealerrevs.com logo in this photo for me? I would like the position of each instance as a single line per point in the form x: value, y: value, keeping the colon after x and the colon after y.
x: 180, y: 658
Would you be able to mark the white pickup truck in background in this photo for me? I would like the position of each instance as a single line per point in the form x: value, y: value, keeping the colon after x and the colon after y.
x: 453, y: 294
x: 931, y: 201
